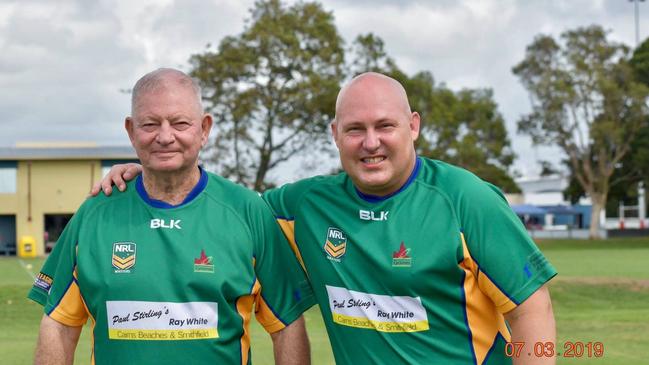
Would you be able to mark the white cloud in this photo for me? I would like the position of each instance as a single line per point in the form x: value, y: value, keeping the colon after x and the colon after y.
x: 63, y: 63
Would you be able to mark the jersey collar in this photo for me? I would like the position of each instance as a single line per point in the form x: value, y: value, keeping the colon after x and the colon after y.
x: 375, y: 198
x: 200, y: 186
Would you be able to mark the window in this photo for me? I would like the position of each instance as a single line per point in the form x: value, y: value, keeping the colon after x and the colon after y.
x: 8, y: 177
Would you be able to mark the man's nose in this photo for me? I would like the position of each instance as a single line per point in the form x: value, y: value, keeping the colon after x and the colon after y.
x: 166, y: 134
x: 371, y: 141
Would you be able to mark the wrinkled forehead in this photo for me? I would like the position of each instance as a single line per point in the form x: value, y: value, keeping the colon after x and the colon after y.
x: 166, y: 96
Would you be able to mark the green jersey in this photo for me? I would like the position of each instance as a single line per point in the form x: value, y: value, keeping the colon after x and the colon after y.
x: 422, y: 276
x: 173, y: 284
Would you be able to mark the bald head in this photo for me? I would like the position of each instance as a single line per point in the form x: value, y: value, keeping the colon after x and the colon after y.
x: 375, y: 86
x: 161, y: 79
x: 375, y: 132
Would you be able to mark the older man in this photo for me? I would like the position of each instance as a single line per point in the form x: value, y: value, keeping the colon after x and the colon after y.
x: 168, y: 272
x: 413, y: 261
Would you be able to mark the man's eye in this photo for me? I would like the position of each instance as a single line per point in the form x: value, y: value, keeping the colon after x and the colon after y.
x: 181, y: 125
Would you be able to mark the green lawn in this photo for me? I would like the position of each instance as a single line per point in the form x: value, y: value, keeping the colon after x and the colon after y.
x: 600, y: 295
x: 615, y: 258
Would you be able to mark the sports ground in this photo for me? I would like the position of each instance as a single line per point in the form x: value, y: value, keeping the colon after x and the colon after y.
x: 601, y: 295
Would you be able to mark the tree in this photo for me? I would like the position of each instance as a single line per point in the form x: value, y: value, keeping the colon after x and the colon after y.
x: 466, y: 129
x: 637, y: 164
x: 640, y: 62
x: 272, y: 89
x: 586, y: 101
x: 367, y: 53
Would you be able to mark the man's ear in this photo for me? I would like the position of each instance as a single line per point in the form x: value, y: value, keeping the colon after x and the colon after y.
x: 206, y: 127
x: 415, y: 121
x: 334, y: 131
x: 128, y: 125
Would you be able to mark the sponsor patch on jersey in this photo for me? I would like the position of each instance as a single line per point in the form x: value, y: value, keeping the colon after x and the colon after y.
x: 535, y: 263
x: 43, y: 281
x: 161, y: 321
x: 383, y: 313
x: 401, y: 258
x: 124, y: 256
x: 336, y: 244
x: 204, y: 263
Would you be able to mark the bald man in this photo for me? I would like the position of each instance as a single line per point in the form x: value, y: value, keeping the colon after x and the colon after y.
x: 412, y: 260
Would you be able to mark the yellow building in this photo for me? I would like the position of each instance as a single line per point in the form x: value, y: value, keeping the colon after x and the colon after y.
x: 41, y: 186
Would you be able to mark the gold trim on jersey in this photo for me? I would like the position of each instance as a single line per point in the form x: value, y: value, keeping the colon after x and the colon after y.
x: 485, y: 304
x: 244, y: 308
x: 71, y: 310
x: 288, y: 227
x: 266, y: 317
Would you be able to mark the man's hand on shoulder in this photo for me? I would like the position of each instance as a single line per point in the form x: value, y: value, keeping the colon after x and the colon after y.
x: 118, y: 175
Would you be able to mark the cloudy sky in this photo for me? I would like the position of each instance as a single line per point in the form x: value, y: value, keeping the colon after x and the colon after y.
x: 64, y: 64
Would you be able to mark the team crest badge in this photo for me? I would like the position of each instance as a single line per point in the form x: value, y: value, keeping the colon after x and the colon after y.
x: 204, y: 263
x: 336, y: 244
x: 402, y: 257
x: 124, y: 256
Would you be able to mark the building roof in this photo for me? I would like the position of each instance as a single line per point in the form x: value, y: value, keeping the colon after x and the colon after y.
x: 560, y: 210
x: 543, y: 184
x: 63, y: 152
x: 522, y: 209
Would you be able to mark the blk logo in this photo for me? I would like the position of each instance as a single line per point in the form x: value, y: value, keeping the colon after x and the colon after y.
x: 367, y: 215
x: 160, y: 223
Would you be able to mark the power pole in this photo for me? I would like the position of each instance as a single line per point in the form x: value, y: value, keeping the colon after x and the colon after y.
x: 637, y: 25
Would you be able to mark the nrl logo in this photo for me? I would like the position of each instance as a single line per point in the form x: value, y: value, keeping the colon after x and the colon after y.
x: 336, y: 244
x: 123, y: 256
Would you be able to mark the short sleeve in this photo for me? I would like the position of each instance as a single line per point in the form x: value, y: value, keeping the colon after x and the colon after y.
x: 285, y: 292
x: 510, y: 265
x: 276, y: 200
x: 56, y: 286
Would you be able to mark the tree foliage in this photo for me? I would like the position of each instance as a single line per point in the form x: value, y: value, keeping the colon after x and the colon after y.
x: 586, y: 101
x: 367, y: 53
x: 640, y: 62
x: 271, y: 88
x: 466, y: 129
x: 634, y: 166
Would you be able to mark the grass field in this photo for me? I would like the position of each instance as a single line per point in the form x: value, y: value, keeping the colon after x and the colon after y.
x: 600, y: 295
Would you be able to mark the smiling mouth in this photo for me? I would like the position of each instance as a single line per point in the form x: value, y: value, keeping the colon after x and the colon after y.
x: 373, y: 160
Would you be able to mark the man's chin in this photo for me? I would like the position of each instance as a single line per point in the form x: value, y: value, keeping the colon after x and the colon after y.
x: 165, y: 168
x: 373, y: 185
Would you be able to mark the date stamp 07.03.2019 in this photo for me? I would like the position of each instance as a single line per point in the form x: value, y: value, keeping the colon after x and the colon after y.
x: 550, y: 349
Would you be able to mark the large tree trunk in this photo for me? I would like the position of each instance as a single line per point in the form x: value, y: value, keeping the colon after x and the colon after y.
x: 264, y: 164
x: 598, y: 201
